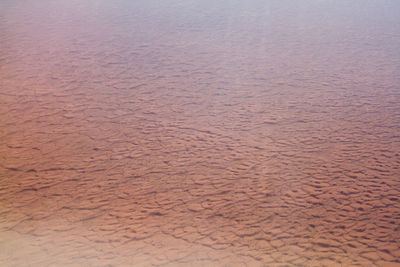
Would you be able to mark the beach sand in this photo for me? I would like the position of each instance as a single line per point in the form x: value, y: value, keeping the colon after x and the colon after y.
x: 194, y: 133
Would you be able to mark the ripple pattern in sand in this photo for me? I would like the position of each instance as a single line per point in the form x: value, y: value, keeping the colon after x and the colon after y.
x: 199, y: 134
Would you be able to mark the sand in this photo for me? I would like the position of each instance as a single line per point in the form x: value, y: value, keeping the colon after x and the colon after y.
x: 194, y: 133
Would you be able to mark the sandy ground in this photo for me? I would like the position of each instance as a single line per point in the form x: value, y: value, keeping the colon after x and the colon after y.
x: 194, y: 133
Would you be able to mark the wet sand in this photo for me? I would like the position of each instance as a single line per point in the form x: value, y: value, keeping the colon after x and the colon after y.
x: 195, y: 133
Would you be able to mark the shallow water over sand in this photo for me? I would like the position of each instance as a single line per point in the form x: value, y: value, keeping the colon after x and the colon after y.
x: 199, y: 133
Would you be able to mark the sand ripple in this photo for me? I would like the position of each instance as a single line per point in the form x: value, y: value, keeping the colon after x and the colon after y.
x: 199, y: 134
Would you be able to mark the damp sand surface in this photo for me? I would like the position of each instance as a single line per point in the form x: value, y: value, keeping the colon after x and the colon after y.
x: 199, y: 133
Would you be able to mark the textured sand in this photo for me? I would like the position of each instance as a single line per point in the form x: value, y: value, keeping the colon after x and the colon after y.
x: 199, y: 133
